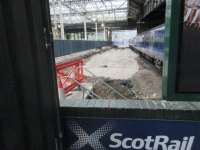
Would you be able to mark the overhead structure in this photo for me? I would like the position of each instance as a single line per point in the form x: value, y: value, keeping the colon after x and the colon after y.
x: 153, y: 15
x: 135, y: 9
x: 113, y: 13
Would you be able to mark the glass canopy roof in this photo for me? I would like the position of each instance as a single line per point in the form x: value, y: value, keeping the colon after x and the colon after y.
x: 78, y: 11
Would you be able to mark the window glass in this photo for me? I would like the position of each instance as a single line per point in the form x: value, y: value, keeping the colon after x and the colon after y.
x: 189, y: 59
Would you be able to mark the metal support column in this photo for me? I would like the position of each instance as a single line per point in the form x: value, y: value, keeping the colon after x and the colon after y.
x: 54, y: 15
x: 104, y: 33
x: 62, y: 31
x: 109, y: 34
x: 85, y: 30
x: 96, y: 29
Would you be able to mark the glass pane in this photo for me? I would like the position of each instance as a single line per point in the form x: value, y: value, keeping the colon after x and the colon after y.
x: 189, y: 59
x: 104, y: 50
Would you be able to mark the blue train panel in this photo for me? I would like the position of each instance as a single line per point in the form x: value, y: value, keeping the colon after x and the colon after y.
x: 151, y: 43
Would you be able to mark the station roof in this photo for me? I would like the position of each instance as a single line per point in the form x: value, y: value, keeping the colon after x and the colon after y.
x: 75, y: 12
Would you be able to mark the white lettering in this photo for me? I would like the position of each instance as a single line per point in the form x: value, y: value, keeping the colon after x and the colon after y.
x: 175, y: 145
x: 125, y: 143
x: 184, y: 143
x: 161, y: 141
x: 117, y: 141
x: 190, y: 143
x: 138, y: 143
x: 149, y: 143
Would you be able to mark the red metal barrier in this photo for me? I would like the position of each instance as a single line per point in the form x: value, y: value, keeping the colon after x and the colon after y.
x: 69, y: 72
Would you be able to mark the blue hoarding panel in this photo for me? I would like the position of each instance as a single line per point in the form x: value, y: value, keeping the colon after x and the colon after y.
x: 119, y: 134
x: 65, y: 47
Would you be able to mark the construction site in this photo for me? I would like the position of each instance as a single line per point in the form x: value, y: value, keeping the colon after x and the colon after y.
x: 115, y: 73
x: 96, y: 53
x: 100, y: 74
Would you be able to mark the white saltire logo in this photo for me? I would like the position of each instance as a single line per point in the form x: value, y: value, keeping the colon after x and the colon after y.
x: 84, y: 138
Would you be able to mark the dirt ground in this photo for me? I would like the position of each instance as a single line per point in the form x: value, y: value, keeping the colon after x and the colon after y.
x: 143, y: 82
x: 116, y: 64
x: 123, y: 88
x: 147, y: 81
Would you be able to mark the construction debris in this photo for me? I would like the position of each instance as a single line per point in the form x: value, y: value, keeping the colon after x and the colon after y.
x: 126, y: 72
x: 124, y: 87
x: 118, y: 74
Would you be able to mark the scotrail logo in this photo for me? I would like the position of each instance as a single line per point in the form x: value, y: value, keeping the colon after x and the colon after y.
x: 160, y: 142
x: 85, y: 139
x: 119, y: 141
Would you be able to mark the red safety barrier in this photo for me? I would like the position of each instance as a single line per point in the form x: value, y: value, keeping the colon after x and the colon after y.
x: 69, y: 73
